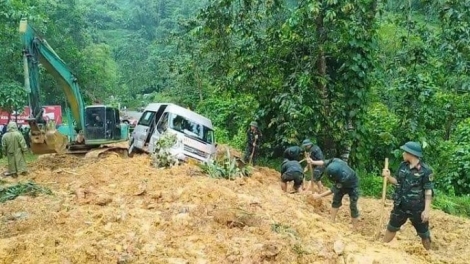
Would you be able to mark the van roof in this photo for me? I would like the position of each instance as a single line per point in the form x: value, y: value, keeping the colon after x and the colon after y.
x: 181, y: 111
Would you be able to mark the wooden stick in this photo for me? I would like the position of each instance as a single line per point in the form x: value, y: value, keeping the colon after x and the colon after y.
x: 384, y: 187
x: 253, y: 152
x: 384, y: 192
x: 307, y: 155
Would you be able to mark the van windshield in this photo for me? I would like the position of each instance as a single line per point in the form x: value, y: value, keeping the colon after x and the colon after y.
x: 191, y: 128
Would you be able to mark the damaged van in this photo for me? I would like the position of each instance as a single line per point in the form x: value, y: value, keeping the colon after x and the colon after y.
x: 195, y: 133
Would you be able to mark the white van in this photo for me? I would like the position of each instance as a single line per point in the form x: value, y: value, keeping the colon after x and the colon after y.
x: 195, y: 132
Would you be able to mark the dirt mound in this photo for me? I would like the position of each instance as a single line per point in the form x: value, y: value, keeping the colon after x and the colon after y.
x: 124, y: 211
x: 58, y: 161
x: 222, y: 151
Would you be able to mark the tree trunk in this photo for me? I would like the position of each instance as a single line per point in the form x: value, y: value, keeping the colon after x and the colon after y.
x: 321, y: 60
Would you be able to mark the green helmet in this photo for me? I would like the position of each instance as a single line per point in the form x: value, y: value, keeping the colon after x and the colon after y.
x: 306, y: 143
x: 254, y: 123
x: 414, y: 148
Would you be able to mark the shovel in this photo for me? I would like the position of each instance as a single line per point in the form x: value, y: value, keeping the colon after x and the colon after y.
x: 384, y: 192
x: 253, y: 152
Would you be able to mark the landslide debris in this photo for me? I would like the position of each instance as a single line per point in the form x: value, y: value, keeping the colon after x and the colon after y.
x: 124, y: 211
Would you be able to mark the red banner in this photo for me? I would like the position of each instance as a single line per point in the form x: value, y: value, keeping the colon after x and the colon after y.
x: 51, y: 112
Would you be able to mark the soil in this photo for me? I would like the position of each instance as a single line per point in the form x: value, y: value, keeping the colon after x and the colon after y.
x: 124, y: 211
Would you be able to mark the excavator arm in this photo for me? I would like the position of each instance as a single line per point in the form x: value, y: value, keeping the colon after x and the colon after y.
x: 37, y: 51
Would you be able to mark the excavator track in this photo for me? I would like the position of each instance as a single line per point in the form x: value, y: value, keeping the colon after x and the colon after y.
x: 118, y: 149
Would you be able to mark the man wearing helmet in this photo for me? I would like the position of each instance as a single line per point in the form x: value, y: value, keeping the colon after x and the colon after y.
x: 413, y: 194
x: 253, y: 136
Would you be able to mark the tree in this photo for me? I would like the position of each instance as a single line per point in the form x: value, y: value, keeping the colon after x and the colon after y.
x: 13, y: 97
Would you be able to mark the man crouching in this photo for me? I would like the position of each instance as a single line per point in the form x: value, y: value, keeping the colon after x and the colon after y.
x: 291, y: 170
x: 345, y: 181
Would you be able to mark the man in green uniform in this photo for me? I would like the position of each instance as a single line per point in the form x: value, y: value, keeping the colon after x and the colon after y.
x: 291, y: 170
x: 345, y: 181
x: 314, y: 152
x: 293, y: 153
x: 413, y: 194
x: 14, y: 147
x: 253, y: 136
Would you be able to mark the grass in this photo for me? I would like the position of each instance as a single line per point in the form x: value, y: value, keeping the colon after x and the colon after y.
x: 30, y: 157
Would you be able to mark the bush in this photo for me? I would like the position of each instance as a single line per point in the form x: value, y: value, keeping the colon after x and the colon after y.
x: 378, y: 140
x: 161, y: 157
x: 452, y: 204
x: 453, y: 176
x: 371, y: 185
x: 226, y: 168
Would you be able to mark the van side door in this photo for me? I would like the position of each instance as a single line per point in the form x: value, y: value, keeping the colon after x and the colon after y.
x: 142, y: 129
x: 162, y: 126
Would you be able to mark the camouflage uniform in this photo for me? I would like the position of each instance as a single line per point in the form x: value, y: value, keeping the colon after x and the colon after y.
x: 409, y: 197
x: 293, y: 153
x: 345, y: 181
x: 315, y: 154
x: 292, y: 171
x: 14, y: 147
x: 251, y: 138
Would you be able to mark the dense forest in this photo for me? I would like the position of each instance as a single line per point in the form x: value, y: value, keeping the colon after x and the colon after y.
x: 360, y: 77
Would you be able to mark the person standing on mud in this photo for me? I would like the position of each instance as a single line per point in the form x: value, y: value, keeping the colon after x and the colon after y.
x: 314, y: 152
x: 253, y: 136
x: 413, y: 194
x: 345, y: 181
x: 291, y: 170
x: 14, y: 147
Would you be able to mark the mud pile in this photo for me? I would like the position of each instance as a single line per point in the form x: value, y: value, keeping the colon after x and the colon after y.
x: 124, y: 211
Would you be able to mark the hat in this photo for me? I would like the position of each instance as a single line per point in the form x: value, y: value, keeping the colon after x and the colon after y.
x: 306, y: 143
x: 414, y: 148
x: 254, y: 123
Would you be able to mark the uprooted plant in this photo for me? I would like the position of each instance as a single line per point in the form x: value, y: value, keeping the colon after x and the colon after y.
x: 162, y: 157
x: 226, y: 168
x: 28, y: 188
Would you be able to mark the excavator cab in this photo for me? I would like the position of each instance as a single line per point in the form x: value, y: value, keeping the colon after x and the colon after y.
x: 102, y: 124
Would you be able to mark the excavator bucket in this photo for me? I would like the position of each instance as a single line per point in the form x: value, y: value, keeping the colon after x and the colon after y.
x: 47, y: 140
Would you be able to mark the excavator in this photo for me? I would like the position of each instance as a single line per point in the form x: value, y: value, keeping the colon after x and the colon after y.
x: 90, y: 130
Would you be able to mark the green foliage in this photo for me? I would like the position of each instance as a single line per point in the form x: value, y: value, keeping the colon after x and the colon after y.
x: 13, y: 96
x: 365, y: 75
x: 371, y: 185
x: 162, y: 157
x: 382, y: 127
x: 455, y: 205
x: 453, y: 176
x: 225, y: 168
x: 29, y: 188
x: 232, y: 114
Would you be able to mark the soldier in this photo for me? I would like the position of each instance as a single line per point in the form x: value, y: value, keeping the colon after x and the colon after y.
x: 293, y: 153
x: 14, y: 147
x: 315, y: 153
x: 291, y: 170
x: 345, y: 181
x: 253, y: 135
x: 413, y: 194
x: 26, y: 136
